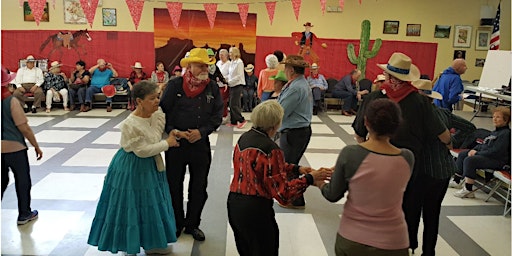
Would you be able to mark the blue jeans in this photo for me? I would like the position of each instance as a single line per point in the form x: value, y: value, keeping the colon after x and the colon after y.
x: 349, y: 99
x: 81, y: 95
x: 265, y: 96
x: 248, y: 98
x: 90, y: 93
x: 467, y: 165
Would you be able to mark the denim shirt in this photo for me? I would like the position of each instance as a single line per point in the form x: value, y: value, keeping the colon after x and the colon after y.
x: 297, y: 101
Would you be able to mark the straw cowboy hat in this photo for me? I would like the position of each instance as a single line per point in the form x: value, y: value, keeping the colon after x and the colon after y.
x: 7, y: 76
x: 308, y: 24
x: 400, y: 66
x: 314, y: 66
x: 281, y: 76
x: 380, y: 78
x: 137, y: 65
x: 55, y: 64
x: 197, y: 55
x: 249, y: 68
x: 30, y: 58
x: 426, y: 87
x: 296, y: 61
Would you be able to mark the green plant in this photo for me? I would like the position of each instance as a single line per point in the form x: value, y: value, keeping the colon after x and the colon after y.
x: 364, y: 52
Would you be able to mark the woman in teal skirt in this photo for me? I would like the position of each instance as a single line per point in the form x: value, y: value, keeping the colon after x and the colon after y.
x: 135, y: 208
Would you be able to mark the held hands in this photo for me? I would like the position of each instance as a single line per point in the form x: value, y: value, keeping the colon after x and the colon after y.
x: 171, y: 140
x: 321, y: 174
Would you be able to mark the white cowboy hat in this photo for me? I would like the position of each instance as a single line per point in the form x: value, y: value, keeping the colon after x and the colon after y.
x: 55, y: 64
x: 249, y: 68
x: 30, y: 58
x: 380, y: 77
x: 400, y: 66
x: 314, y: 66
x: 426, y: 87
x: 137, y: 65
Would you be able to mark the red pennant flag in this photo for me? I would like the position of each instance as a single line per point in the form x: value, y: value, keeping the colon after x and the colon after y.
x: 211, y: 13
x: 271, y: 8
x: 21, y: 2
x: 243, y: 9
x: 342, y: 4
x: 175, y: 9
x: 296, y: 8
x: 322, y: 4
x: 37, y: 8
x: 360, y: 2
x: 135, y: 7
x: 89, y: 7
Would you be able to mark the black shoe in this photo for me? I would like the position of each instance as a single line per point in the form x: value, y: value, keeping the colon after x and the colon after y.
x: 178, y: 231
x: 196, y: 233
x: 25, y: 109
x: 34, y: 110
x: 24, y: 220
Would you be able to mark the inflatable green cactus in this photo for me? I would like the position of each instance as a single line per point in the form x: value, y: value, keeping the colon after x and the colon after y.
x: 364, y: 52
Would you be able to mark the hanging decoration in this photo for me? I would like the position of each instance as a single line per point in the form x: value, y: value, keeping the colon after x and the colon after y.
x: 53, y: 4
x: 271, y: 8
x: 342, y: 4
x: 37, y: 8
x: 322, y: 4
x: 360, y: 2
x: 296, y: 8
x: 175, y: 9
x: 21, y: 2
x: 89, y: 7
x: 211, y: 13
x: 135, y: 7
x: 243, y: 9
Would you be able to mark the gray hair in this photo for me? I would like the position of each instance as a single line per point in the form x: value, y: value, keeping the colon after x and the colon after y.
x: 271, y: 61
x: 143, y: 89
x: 267, y: 115
x: 223, y: 51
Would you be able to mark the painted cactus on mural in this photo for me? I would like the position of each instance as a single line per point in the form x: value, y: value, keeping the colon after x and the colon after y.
x: 364, y: 52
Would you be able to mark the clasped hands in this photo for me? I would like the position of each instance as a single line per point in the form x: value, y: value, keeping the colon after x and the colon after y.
x: 319, y: 175
x: 192, y: 135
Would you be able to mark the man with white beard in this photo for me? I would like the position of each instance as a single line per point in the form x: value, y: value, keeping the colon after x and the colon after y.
x: 193, y: 108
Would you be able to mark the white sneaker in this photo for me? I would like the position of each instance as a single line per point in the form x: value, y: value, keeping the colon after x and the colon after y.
x: 456, y: 185
x: 464, y: 193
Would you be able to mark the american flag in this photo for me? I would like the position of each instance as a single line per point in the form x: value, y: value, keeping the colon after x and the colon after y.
x: 495, y: 37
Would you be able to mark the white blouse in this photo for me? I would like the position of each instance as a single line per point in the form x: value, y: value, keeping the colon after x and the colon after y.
x: 236, y: 73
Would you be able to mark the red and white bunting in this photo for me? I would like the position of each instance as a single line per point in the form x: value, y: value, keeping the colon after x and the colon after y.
x: 322, y: 4
x: 53, y: 4
x: 243, y: 9
x: 135, y: 7
x: 89, y: 7
x: 342, y: 4
x: 211, y: 13
x: 174, y: 9
x: 37, y: 8
x: 360, y: 2
x: 271, y: 8
x: 21, y: 2
x: 296, y: 8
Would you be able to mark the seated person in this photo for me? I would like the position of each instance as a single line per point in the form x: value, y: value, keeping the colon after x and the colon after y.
x: 136, y: 76
x: 29, y: 80
x: 346, y: 89
x: 318, y: 86
x: 450, y: 84
x: 160, y: 76
x: 279, y: 81
x: 55, y: 84
x: 79, y: 80
x: 493, y: 153
x: 101, y: 74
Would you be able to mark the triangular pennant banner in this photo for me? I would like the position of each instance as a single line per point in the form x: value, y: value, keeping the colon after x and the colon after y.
x: 174, y: 9
x: 243, y: 9
x: 211, y: 13
x: 135, y: 7
x: 322, y: 4
x: 53, y: 4
x: 271, y: 8
x: 89, y: 7
x: 21, y: 2
x: 296, y: 8
x: 342, y: 4
x: 37, y: 8
x: 360, y: 2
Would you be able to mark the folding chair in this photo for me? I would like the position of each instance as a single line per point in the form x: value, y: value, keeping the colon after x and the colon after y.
x: 502, y: 179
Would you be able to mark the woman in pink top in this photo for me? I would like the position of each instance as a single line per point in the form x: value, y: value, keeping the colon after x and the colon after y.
x: 266, y: 86
x: 375, y: 173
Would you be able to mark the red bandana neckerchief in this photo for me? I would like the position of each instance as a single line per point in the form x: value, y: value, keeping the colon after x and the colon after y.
x: 397, y: 92
x: 315, y: 76
x: 193, y: 86
x: 160, y: 76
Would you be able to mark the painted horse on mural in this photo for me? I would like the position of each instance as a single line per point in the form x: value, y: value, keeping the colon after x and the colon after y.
x: 67, y: 40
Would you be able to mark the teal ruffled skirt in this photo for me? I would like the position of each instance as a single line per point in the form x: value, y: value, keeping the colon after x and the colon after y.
x: 134, y: 209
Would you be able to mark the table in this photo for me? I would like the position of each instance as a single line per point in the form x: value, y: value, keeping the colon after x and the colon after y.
x: 487, y: 93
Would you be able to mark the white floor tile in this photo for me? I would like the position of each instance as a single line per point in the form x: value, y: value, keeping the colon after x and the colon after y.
x: 82, y: 122
x: 39, y: 237
x: 89, y: 157
x: 213, y: 139
x: 451, y: 200
x: 59, y: 136
x: 38, y: 120
x: 317, y: 160
x: 321, y: 129
x: 47, y: 154
x: 109, y: 138
x: 315, y: 119
x: 101, y: 112
x: 317, y: 142
x: 487, y: 231
x: 72, y: 186
x: 348, y: 128
x: 342, y: 119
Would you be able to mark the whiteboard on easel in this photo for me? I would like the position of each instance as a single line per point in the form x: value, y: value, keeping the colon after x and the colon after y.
x: 496, y: 70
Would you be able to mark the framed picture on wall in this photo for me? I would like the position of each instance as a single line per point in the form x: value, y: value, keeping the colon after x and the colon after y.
x: 413, y: 30
x: 483, y: 38
x: 73, y: 12
x: 391, y: 27
x: 459, y: 54
x: 462, y: 36
x: 28, y: 16
x: 442, y: 31
x: 479, y: 62
x: 109, y: 16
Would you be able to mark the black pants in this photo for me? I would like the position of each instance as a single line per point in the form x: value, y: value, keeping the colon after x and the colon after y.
x: 294, y: 142
x: 252, y: 219
x: 467, y: 165
x: 424, y: 195
x: 18, y: 163
x: 235, y: 104
x: 349, y: 99
x: 197, y: 157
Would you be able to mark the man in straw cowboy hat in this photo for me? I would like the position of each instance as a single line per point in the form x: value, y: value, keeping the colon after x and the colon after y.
x: 193, y: 108
x: 29, y: 80
x: 436, y: 173
x: 296, y: 99
x: 419, y: 123
x: 55, y: 84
